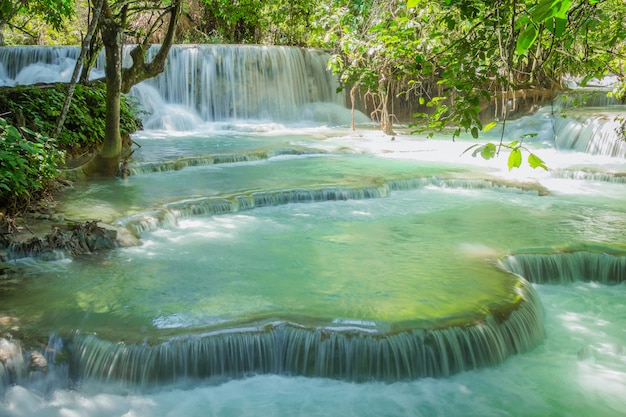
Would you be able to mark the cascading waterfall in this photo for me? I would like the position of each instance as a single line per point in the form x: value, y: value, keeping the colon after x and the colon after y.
x: 28, y: 64
x: 606, y: 266
x: 171, y: 213
x: 24, y: 65
x: 400, y: 267
x: 180, y: 163
x: 209, y: 83
x: 284, y: 348
x: 224, y: 83
x: 596, y: 134
x: 586, y: 174
x: 12, y: 368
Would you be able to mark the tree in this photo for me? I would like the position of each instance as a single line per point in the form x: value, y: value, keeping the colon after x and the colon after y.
x: 376, y: 52
x: 484, y: 51
x: 85, y: 47
x: 235, y: 21
x: 458, y: 56
x: 114, y: 26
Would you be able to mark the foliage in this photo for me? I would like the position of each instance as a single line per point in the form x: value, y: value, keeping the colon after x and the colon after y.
x: 376, y: 50
x: 483, y: 52
x: 288, y: 22
x: 275, y: 22
x: 39, y: 108
x: 28, y: 161
x: 457, y: 56
x: 19, y: 15
x: 233, y: 21
x: 490, y: 150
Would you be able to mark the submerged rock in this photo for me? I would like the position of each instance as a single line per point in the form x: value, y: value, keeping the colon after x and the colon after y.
x: 69, y: 239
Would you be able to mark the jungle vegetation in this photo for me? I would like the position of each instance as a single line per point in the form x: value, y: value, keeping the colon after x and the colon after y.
x: 449, y: 59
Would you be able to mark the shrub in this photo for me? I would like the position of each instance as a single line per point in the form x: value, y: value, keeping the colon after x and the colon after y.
x: 39, y: 107
x: 28, y: 161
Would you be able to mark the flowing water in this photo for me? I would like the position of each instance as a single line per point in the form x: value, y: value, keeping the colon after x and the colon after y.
x: 291, y: 266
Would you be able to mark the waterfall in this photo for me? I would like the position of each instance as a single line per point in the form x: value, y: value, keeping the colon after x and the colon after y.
x: 289, y: 349
x: 170, y: 213
x: 246, y: 82
x: 218, y: 83
x: 24, y: 65
x: 184, y: 162
x: 568, y: 266
x: 208, y: 83
x: 591, y: 175
x: 582, y: 97
x: 599, y: 134
x: 32, y: 64
x: 41, y: 369
x: 12, y: 367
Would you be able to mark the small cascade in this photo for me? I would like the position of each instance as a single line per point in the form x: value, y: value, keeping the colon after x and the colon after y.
x: 590, y: 175
x: 170, y: 213
x: 180, y: 163
x: 564, y: 267
x: 289, y: 349
x: 42, y: 369
x: 12, y: 363
x: 208, y: 206
x: 593, y: 134
x: 468, y: 184
x: 584, y: 97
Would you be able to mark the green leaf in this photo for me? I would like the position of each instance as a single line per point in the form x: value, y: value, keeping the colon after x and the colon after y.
x: 563, y: 8
x: 547, y: 9
x: 535, y: 162
x: 475, y: 132
x: 585, y: 80
x: 490, y: 126
x: 515, y: 158
x: 526, y: 39
x: 528, y: 135
x: 560, y: 25
x: 487, y: 151
x: 411, y: 4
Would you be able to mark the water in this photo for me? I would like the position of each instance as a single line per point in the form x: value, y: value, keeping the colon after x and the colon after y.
x: 578, y: 370
x: 331, y: 272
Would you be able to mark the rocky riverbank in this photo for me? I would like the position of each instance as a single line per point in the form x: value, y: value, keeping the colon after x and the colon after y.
x: 50, y: 237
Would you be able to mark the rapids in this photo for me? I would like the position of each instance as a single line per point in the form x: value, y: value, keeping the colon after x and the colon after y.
x: 291, y: 266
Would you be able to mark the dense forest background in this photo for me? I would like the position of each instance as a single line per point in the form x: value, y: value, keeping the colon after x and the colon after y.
x: 451, y: 57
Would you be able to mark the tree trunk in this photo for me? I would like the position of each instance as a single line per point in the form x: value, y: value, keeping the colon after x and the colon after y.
x: 106, y: 162
x: 83, y: 51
